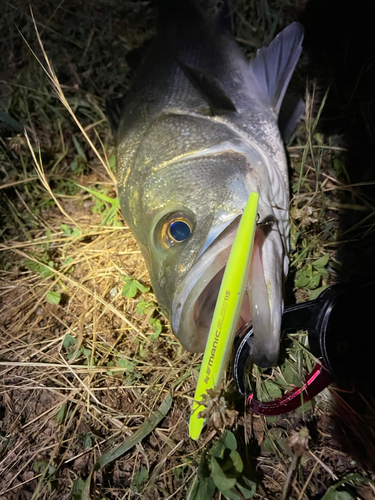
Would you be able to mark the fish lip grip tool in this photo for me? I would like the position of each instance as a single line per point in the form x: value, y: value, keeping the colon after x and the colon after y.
x: 340, y: 335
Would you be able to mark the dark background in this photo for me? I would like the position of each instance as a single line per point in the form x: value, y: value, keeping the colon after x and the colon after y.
x: 340, y: 43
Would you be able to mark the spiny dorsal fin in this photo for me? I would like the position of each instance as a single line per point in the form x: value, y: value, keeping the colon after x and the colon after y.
x: 210, y: 89
x: 272, y: 69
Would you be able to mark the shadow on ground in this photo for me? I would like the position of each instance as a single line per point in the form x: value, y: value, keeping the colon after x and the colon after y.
x: 340, y: 41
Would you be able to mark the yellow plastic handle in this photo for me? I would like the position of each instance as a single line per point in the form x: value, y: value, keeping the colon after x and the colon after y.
x: 226, y: 314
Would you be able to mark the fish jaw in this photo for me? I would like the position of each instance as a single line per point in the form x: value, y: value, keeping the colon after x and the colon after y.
x: 194, y: 292
x: 195, y: 298
x: 265, y: 287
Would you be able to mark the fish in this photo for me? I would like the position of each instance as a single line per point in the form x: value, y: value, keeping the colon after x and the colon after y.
x: 199, y: 130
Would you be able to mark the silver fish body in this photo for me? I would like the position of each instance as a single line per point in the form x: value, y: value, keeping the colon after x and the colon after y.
x: 198, y: 133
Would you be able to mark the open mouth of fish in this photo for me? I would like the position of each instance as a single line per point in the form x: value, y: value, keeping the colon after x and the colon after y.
x: 195, y: 299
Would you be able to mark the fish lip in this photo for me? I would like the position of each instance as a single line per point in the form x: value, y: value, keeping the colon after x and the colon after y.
x: 200, y: 279
x: 209, y: 264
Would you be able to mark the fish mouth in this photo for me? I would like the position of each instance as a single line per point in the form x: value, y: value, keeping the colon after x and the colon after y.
x: 195, y: 298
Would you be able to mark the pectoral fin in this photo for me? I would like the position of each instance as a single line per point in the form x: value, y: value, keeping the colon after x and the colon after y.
x: 210, y: 89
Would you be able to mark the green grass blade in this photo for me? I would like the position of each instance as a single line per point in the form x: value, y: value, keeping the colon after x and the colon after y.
x: 81, y: 489
x: 112, y: 212
x: 5, y: 117
x: 137, y: 437
x: 101, y: 196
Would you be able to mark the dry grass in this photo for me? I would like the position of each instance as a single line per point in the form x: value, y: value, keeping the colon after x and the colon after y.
x: 112, y: 376
x: 83, y: 366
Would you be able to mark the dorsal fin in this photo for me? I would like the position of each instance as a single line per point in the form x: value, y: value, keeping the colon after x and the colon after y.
x: 272, y: 69
x: 210, y: 89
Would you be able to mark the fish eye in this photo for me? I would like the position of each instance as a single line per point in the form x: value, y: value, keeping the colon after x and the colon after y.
x: 179, y: 230
x: 176, y: 229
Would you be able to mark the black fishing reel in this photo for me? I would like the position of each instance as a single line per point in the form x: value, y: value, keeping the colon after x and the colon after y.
x: 341, y: 333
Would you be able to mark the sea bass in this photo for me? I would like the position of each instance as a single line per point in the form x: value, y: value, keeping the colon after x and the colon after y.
x: 197, y: 133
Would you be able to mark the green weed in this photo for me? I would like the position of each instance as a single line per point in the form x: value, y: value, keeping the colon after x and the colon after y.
x: 139, y: 479
x: 132, y: 287
x: 221, y: 467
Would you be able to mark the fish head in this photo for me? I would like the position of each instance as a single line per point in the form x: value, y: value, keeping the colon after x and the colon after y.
x: 185, y: 217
